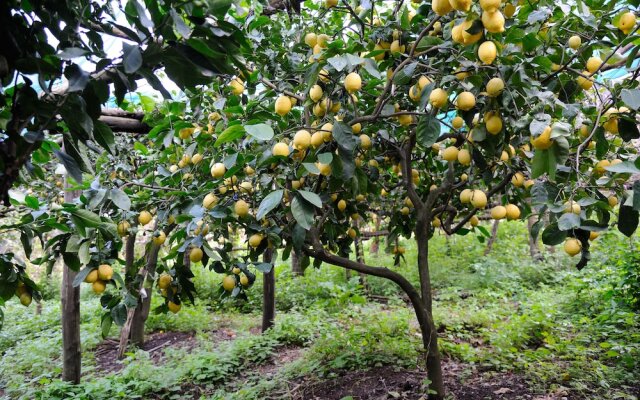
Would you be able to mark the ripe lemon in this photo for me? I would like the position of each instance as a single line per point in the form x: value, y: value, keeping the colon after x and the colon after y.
x: 498, y: 212
x: 218, y: 170
x: 517, y: 179
x: 612, y: 200
x: 283, y: 105
x: 159, y: 238
x: 572, y: 207
x: 457, y: 122
x: 98, y: 287
x: 185, y: 133
x: 495, y: 86
x: 465, y: 196
x: 196, y: 158
x: 405, y: 210
x: 493, y: 21
x: 244, y: 280
x: 310, y: 39
x: 450, y: 153
x: 627, y: 22
x: 528, y: 183
x: 144, y: 217
x: 478, y: 199
x: 593, y: 235
x: 513, y: 212
x: 173, y: 307
x: 315, y: 93
x: 342, y: 205
x: 593, y: 63
x: 237, y: 86
x: 543, y: 141
x: 405, y: 119
x: 209, y: 201
x: 164, y: 281
x: 123, y: 228
x: 493, y: 124
x: 572, y: 247
x: 509, y: 10
x: 599, y: 169
x: 255, y: 240
x: 365, y: 142
x: 325, y: 169
x: 466, y: 101
x: 464, y: 157
x: 302, y: 140
x: 280, y: 149
x: 317, y: 139
x: 352, y: 233
x: 353, y: 82
x: 91, y: 276
x: 195, y: 255
x: 574, y: 42
x: 585, y: 83
x: 487, y: 52
x: 474, y: 221
x: 414, y: 93
x: 438, y: 97
x: 490, y: 5
x: 396, y: 47
x: 460, y: 5
x: 330, y: 3
x: 441, y: 7
x: 241, y: 208
x: 423, y: 82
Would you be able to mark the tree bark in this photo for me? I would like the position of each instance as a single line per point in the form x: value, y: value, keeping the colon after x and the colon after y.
x: 269, y: 293
x: 434, y: 366
x: 425, y: 319
x: 375, y: 244
x: 494, y: 236
x: 296, y: 267
x: 357, y: 244
x: 70, y: 296
x: 533, y: 245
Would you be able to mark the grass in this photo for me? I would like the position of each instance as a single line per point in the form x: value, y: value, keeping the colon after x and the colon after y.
x: 560, y: 328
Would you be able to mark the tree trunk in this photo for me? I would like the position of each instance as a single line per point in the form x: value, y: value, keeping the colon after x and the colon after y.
x: 70, y: 296
x: 494, y: 236
x: 357, y: 243
x: 269, y: 293
x: 533, y: 245
x: 296, y: 267
x: 425, y: 319
x: 144, y: 300
x: 375, y: 244
x: 429, y: 333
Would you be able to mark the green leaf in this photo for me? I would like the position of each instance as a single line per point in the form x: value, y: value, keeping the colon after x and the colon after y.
x: 636, y: 195
x: 32, y: 202
x: 311, y: 198
x: 625, y: 167
x: 260, y: 131
x: 628, y: 129
x: 105, y: 324
x: 427, y: 42
x: 119, y: 314
x: 552, y: 235
x: 72, y: 167
x: 120, y: 199
x: 343, y: 134
x: 631, y: 98
x: 131, y: 58
x: 271, y: 201
x: 325, y: 158
x: 88, y: 218
x: 568, y: 221
x: 103, y: 135
x: 627, y: 220
x: 405, y: 75
x: 303, y: 212
x: 428, y: 130
x: 311, y: 168
x: 230, y: 134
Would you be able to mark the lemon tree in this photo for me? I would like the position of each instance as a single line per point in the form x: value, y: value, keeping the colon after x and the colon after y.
x: 427, y: 115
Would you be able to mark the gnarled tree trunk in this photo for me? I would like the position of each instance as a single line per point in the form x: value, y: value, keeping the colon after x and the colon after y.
x: 494, y: 236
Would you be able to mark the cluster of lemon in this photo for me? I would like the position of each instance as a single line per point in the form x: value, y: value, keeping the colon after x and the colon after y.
x: 237, y: 277
x: 98, y: 278
x: 24, y: 294
x: 165, y: 284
